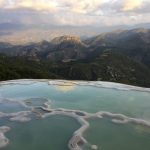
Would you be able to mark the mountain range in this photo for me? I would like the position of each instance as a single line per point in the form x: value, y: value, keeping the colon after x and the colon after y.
x: 21, y: 33
x: 118, y: 56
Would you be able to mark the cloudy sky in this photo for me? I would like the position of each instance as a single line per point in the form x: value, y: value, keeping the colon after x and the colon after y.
x: 75, y: 12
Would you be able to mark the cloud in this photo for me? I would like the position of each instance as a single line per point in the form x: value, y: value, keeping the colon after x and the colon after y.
x: 75, y: 12
x: 132, y: 4
x: 37, y: 5
x: 2, y: 3
x: 41, y: 5
x: 76, y: 6
x: 85, y: 6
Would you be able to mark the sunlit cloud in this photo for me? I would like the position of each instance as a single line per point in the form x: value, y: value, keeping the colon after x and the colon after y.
x: 37, y: 5
x: 132, y: 4
x: 77, y: 6
x: 85, y: 6
x: 76, y: 12
x: 2, y: 3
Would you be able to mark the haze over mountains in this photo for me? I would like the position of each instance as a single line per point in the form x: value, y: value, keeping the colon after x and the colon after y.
x: 119, y: 56
x: 19, y: 33
x: 134, y: 43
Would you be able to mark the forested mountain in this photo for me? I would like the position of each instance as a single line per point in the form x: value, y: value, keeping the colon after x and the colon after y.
x: 120, y: 56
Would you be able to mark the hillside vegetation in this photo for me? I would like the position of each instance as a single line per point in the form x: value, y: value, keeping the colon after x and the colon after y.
x: 120, y: 56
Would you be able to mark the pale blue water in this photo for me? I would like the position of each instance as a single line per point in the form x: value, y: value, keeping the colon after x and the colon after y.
x: 87, y: 98
x: 10, y: 107
x: 110, y: 136
x: 53, y: 133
